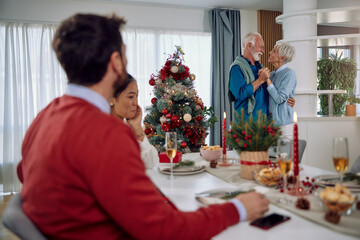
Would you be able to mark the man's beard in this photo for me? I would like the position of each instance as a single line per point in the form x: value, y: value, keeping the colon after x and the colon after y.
x: 256, y: 55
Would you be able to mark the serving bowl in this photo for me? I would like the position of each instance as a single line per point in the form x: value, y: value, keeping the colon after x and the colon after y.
x: 268, y: 177
x: 211, y: 155
x: 342, y: 202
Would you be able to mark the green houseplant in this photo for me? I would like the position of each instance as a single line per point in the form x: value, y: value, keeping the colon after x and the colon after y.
x: 336, y: 73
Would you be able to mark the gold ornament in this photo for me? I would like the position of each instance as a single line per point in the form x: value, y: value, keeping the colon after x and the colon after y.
x: 187, y: 117
x: 163, y: 119
x: 192, y: 77
x: 174, y: 69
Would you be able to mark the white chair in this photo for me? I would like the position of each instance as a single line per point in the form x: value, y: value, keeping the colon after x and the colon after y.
x: 356, y: 166
x: 301, y: 146
x: 16, y: 221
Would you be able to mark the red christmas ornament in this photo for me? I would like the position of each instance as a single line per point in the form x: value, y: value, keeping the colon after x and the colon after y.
x: 164, y: 111
x: 147, y: 131
x: 199, y: 118
x: 174, y: 118
x: 183, y: 144
x: 168, y: 115
x: 153, y: 100
x: 152, y: 82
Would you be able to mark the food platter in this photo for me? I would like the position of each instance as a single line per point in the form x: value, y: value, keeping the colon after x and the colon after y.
x: 332, y: 180
x: 217, y: 196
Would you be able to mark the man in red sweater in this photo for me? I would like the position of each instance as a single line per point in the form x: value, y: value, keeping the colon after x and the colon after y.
x: 81, y: 169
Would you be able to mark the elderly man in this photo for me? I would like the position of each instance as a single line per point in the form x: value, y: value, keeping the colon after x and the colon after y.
x: 247, y: 87
x: 82, y: 174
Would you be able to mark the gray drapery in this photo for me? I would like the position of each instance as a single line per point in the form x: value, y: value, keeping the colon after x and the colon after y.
x: 226, y: 46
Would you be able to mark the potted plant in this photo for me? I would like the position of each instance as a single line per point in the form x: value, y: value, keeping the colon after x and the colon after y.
x: 335, y: 73
x: 351, y: 107
x: 252, y: 139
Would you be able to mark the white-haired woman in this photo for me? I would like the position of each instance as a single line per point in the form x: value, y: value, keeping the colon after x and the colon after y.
x: 281, y: 86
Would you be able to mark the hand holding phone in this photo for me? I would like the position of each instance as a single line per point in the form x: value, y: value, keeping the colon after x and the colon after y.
x: 269, y: 221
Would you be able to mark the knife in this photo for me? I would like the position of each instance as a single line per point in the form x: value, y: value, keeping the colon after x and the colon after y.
x: 221, y: 194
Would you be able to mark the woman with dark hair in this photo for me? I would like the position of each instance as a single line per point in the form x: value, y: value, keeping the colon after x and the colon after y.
x: 124, y: 105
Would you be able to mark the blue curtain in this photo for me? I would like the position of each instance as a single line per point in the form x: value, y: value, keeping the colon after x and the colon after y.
x: 226, y: 46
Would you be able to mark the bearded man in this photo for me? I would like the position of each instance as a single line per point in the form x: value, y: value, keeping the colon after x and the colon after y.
x: 247, y: 87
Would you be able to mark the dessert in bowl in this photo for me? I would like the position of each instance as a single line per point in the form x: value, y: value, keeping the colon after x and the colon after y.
x: 211, y: 153
x: 268, y: 176
x: 338, y: 199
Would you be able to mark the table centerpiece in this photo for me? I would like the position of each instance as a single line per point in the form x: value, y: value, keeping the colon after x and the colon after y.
x: 251, y: 138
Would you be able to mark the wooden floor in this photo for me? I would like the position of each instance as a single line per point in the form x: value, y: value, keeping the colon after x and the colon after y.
x: 5, y: 234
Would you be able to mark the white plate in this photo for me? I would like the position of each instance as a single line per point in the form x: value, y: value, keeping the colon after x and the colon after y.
x: 182, y: 171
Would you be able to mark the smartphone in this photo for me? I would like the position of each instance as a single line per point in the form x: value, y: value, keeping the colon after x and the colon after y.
x: 269, y: 221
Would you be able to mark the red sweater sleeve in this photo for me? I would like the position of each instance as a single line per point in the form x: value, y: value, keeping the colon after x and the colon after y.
x: 129, y: 196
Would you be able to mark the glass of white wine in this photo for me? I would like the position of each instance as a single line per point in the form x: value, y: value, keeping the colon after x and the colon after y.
x: 171, y: 149
x: 340, y: 155
x: 284, y: 158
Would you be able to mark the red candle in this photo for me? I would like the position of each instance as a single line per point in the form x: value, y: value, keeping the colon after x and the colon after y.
x: 296, y: 147
x: 223, y: 134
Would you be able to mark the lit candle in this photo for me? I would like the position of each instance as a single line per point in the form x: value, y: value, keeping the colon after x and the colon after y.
x: 223, y: 134
x: 296, y: 148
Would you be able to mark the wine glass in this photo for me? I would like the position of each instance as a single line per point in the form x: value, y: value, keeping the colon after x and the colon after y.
x: 171, y: 148
x: 284, y: 158
x: 340, y: 155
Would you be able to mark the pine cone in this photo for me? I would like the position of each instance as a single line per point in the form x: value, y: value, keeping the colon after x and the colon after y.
x: 332, y: 217
x: 302, y: 203
x: 213, y: 163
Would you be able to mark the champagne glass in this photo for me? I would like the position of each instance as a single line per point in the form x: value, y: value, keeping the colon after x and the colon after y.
x: 340, y: 155
x: 171, y: 148
x: 284, y: 158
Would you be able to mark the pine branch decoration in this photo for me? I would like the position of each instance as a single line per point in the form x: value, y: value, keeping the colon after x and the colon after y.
x: 252, y: 135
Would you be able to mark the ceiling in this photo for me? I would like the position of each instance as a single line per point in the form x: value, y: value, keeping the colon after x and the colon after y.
x: 275, y: 5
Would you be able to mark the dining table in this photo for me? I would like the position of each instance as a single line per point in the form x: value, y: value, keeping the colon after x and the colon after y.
x: 181, y: 191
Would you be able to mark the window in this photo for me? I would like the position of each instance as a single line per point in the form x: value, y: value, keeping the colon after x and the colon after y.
x: 31, y: 77
x: 346, y: 52
x: 147, y: 51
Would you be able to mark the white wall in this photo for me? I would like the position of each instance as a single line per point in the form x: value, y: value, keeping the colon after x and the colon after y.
x: 248, y: 22
x: 54, y: 11
x: 319, y: 133
x: 336, y: 3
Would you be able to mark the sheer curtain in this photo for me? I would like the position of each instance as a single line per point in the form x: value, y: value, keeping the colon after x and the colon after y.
x: 147, y: 51
x: 31, y: 77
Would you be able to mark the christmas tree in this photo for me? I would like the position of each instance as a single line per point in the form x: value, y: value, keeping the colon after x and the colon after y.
x: 176, y: 107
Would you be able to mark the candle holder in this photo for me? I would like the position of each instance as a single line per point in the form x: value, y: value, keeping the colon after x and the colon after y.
x: 297, y: 189
x: 225, y: 162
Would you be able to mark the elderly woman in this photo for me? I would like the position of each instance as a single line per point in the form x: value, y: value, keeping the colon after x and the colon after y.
x: 124, y: 105
x: 281, y: 86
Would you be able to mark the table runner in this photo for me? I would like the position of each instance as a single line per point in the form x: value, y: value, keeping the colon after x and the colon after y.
x: 348, y: 224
